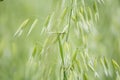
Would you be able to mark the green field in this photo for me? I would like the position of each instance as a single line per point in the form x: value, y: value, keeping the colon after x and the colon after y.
x: 59, y: 39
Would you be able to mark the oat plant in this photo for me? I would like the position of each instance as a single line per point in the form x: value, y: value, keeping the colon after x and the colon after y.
x: 69, y: 45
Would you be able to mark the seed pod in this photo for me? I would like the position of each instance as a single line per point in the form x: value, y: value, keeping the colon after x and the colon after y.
x: 85, y: 76
x: 47, y: 21
x: 105, y: 62
x: 34, y: 51
x: 89, y: 13
x: 20, y: 29
x: 64, y: 13
x: 115, y: 64
x: 95, y: 7
x: 32, y: 26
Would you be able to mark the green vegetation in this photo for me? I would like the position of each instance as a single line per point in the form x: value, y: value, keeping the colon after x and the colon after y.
x: 59, y: 40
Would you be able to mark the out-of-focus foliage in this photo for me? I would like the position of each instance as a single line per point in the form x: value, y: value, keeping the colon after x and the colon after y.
x: 59, y: 40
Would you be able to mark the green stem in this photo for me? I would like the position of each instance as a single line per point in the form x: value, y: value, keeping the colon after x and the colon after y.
x: 69, y: 22
x: 61, y: 49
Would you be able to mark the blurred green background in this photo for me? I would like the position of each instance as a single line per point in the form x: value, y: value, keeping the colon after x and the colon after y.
x: 14, y: 51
